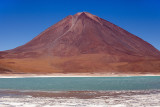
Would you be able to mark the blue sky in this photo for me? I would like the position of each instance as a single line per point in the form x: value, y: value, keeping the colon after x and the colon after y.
x: 22, y: 20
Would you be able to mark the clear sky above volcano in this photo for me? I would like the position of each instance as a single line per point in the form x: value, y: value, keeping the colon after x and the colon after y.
x: 22, y: 20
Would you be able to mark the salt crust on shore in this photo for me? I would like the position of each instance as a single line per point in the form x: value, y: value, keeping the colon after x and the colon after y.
x: 142, y: 100
x: 73, y: 75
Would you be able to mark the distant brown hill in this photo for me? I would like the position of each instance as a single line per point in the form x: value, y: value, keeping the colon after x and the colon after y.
x: 82, y: 43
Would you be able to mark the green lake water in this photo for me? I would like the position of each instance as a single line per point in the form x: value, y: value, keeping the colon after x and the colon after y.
x: 81, y: 83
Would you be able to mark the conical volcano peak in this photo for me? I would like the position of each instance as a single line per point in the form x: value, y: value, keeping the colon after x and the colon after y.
x: 84, y: 33
x: 89, y: 15
x: 83, y: 43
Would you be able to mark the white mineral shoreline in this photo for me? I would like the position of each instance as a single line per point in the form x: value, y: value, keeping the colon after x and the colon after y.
x: 122, y: 99
x: 73, y: 75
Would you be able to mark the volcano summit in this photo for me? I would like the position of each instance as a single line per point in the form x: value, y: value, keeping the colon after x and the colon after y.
x: 83, y: 43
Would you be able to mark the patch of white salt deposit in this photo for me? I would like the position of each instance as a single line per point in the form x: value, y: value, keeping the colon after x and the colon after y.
x: 139, y: 100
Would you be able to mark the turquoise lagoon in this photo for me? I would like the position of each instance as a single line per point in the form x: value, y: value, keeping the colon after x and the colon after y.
x: 81, y: 83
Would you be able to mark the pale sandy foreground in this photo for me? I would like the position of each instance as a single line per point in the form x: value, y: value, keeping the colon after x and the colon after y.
x: 150, y: 98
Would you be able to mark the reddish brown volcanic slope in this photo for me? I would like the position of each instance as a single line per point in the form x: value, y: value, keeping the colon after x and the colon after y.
x: 83, y: 43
